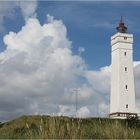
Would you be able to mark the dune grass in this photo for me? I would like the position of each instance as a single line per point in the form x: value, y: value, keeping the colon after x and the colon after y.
x: 46, y: 127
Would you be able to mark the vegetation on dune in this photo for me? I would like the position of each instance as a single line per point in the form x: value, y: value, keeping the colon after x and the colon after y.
x: 46, y: 127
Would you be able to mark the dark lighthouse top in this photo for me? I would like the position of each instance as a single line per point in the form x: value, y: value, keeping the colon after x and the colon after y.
x: 121, y: 27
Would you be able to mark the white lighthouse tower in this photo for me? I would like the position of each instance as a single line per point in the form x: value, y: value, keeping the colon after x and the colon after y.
x: 122, y: 100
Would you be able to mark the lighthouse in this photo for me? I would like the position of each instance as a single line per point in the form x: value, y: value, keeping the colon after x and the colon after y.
x: 122, y: 99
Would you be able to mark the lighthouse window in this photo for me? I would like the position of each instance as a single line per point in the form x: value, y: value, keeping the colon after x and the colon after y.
x: 125, y: 38
x: 125, y: 68
x: 126, y: 105
x: 125, y: 53
x: 126, y: 86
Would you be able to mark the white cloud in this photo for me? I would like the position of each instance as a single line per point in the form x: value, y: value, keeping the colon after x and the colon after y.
x: 66, y: 110
x: 137, y: 84
x: 36, y: 67
x: 136, y: 63
x: 28, y: 8
x: 8, y: 10
x: 99, y: 80
x: 83, y: 112
x: 81, y: 50
x: 104, y: 109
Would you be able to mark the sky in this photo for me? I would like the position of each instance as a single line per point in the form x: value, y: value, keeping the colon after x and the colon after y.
x: 49, y: 48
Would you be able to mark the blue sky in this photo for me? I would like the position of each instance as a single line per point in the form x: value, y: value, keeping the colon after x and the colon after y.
x: 38, y: 69
x: 89, y: 25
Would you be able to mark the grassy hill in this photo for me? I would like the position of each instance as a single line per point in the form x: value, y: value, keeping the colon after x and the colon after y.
x: 40, y: 127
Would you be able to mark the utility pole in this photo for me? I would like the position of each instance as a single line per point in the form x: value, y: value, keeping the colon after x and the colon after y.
x: 76, y: 90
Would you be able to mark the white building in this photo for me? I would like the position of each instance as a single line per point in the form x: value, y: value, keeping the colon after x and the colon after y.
x: 122, y: 100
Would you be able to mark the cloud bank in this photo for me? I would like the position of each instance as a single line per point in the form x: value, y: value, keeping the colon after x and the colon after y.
x: 38, y: 72
x: 37, y: 69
